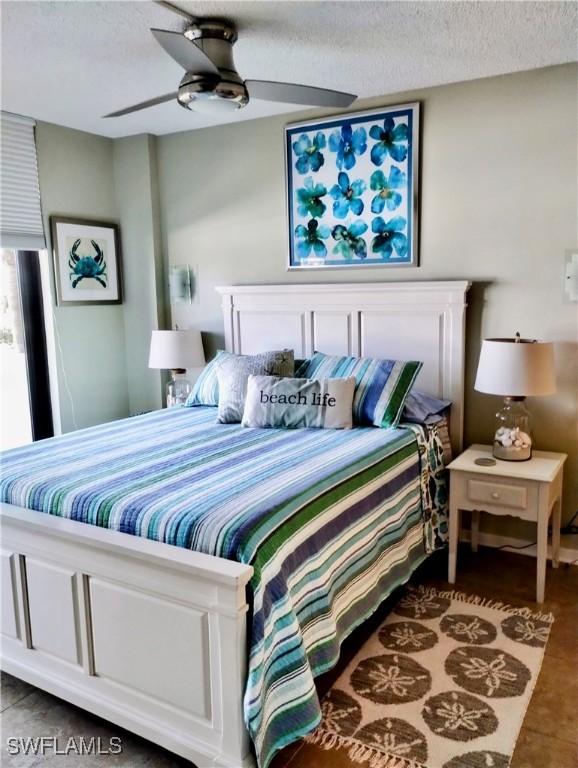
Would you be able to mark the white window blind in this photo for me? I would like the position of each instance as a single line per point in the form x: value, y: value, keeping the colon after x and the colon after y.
x: 20, y: 213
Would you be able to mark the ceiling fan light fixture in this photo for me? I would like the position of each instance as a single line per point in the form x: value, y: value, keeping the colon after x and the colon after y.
x: 204, y: 94
x: 211, y: 104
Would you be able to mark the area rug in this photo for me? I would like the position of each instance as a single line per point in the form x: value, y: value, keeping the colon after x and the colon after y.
x: 444, y: 682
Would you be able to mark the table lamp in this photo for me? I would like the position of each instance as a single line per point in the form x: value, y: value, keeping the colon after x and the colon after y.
x: 515, y: 368
x: 176, y: 351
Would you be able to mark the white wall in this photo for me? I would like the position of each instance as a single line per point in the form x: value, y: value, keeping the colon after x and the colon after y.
x: 498, y: 206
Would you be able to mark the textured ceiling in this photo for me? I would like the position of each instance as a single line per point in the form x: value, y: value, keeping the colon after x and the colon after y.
x: 71, y: 62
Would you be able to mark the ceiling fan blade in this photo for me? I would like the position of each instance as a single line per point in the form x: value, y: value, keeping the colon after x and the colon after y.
x: 185, y: 52
x: 291, y: 93
x: 144, y: 105
x: 175, y: 9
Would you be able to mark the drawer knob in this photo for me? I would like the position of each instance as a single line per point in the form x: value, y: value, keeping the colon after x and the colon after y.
x: 495, y: 495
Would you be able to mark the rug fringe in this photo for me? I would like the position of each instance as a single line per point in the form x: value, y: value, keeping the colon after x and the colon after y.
x: 358, y: 752
x: 463, y: 597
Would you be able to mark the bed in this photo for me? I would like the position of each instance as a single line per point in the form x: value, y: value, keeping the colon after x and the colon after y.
x: 153, y: 636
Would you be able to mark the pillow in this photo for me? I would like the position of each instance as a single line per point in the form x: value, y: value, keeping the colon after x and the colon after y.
x: 421, y: 408
x: 205, y: 390
x: 233, y: 372
x: 381, y: 385
x: 275, y: 402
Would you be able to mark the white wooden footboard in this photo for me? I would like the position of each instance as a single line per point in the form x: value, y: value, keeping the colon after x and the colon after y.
x: 149, y: 636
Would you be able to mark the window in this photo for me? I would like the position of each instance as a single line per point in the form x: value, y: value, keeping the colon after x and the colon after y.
x: 26, y: 408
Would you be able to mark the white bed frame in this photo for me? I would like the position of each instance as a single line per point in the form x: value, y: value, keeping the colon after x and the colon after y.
x: 153, y: 637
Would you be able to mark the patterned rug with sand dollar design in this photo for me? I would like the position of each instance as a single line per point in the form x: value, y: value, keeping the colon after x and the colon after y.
x: 445, y: 682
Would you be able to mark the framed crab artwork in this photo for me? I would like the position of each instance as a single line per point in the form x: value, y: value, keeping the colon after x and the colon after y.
x: 87, y: 267
x: 352, y: 189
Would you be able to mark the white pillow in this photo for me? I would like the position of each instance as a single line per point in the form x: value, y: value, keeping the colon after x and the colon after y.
x: 273, y: 401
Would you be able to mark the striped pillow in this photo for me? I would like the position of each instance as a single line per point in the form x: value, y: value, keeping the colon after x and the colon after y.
x: 381, y: 385
x: 205, y: 390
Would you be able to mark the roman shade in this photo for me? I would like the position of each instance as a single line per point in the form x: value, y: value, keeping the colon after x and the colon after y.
x: 20, y: 213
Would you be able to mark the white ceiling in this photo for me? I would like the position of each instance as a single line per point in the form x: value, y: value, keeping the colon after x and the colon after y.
x: 71, y: 62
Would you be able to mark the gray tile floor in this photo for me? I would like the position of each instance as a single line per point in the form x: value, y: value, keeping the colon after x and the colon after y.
x: 28, y: 712
x: 549, y: 737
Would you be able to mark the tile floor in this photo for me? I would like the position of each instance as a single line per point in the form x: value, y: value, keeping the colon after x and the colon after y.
x: 549, y: 736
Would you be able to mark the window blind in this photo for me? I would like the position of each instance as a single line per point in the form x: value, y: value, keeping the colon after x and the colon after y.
x: 20, y: 213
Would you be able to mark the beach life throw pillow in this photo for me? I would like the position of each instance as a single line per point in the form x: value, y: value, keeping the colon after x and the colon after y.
x: 298, y: 403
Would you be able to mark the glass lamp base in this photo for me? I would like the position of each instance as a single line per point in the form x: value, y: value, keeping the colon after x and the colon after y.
x: 178, y: 389
x: 511, y: 453
x: 512, y: 440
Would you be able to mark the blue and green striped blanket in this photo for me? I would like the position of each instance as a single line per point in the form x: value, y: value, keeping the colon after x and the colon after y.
x: 331, y: 521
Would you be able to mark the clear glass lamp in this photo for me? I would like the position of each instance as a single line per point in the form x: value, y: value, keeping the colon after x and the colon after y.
x: 515, y: 368
x: 176, y: 351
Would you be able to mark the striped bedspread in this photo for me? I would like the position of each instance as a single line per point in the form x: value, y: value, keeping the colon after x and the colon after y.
x: 332, y: 521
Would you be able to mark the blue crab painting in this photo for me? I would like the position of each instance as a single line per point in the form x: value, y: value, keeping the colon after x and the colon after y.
x: 83, y: 267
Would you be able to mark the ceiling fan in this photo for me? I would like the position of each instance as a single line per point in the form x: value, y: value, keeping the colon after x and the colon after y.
x: 211, y: 83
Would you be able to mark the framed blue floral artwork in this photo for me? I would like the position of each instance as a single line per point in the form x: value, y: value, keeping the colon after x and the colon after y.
x: 352, y: 189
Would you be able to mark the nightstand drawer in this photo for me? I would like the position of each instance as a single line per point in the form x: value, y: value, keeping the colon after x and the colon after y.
x: 515, y: 496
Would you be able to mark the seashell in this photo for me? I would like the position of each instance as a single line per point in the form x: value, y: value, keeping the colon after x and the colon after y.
x: 525, y: 438
x: 518, y: 443
x: 507, y: 442
x: 501, y: 431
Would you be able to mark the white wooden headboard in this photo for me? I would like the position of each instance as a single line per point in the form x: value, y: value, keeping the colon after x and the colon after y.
x: 402, y: 320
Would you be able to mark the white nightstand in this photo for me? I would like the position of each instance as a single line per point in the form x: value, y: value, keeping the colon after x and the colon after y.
x: 531, y: 490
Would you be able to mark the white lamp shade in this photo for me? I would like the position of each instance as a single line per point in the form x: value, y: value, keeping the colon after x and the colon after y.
x: 176, y: 349
x: 516, y: 369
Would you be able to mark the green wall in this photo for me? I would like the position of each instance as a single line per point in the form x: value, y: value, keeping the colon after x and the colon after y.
x: 102, y: 352
x: 498, y: 206
x: 135, y: 178
x: 75, y: 171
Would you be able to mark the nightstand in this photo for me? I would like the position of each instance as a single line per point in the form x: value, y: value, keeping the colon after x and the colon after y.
x: 530, y: 490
